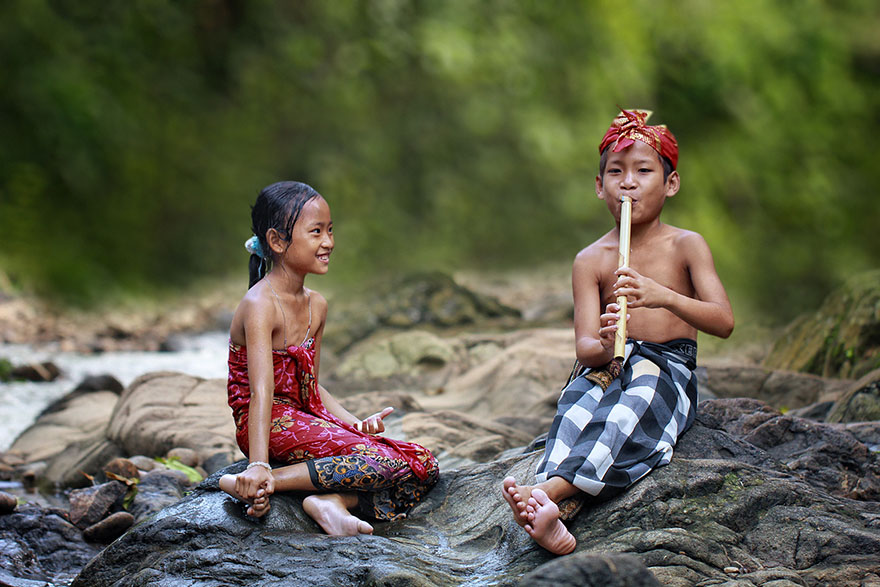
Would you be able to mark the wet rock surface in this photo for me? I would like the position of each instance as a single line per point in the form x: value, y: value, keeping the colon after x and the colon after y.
x: 723, y: 510
x: 40, y: 546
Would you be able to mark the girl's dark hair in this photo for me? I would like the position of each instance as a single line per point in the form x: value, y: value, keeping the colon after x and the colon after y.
x: 667, y: 164
x: 278, y: 206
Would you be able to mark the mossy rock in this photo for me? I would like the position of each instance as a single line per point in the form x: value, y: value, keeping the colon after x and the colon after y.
x: 842, y: 339
x: 861, y: 403
x: 419, y: 300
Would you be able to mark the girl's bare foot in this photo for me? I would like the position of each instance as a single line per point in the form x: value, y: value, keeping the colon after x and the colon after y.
x: 257, y: 507
x: 517, y: 497
x: 331, y: 513
x: 545, y: 527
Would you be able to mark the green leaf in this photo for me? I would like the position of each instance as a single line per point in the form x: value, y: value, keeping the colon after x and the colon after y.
x: 174, y: 463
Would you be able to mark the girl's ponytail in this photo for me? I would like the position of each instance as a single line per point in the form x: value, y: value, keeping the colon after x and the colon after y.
x: 256, y: 270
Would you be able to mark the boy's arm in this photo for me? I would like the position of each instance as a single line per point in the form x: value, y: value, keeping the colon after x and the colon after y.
x: 594, y: 333
x: 708, y: 311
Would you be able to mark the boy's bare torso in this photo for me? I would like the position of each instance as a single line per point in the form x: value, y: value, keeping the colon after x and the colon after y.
x: 661, y: 255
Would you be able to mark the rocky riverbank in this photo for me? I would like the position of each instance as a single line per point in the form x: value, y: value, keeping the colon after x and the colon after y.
x: 777, y: 483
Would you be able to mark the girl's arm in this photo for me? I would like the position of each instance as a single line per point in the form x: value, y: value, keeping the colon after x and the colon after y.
x: 259, y: 319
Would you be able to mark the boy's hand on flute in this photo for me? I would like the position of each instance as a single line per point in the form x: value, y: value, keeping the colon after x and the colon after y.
x: 608, y: 325
x: 640, y: 291
x: 374, y: 424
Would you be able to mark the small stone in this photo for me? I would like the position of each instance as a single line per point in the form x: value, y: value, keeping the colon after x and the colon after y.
x: 731, y: 570
x: 90, y: 505
x: 100, y: 383
x: 46, y: 371
x: 187, y: 456
x: 144, y: 463
x: 122, y: 468
x: 32, y: 473
x: 110, y: 528
x: 8, y: 503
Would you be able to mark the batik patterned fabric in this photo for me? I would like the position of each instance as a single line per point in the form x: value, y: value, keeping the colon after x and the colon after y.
x: 392, y: 475
x: 604, y: 440
x: 632, y: 125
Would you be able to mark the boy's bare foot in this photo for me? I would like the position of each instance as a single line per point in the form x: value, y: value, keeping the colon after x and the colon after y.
x: 544, y: 525
x: 329, y: 511
x: 517, y: 497
x: 257, y: 507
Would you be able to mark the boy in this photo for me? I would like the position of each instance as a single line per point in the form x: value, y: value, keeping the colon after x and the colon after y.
x: 610, y: 431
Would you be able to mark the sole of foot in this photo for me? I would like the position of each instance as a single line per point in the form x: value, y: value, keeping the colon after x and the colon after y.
x: 330, y: 513
x: 545, y: 527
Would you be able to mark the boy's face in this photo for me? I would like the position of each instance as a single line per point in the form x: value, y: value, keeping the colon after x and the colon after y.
x: 636, y: 171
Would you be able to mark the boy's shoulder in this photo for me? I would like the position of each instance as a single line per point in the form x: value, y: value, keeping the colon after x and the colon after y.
x: 684, y: 239
x: 599, y: 247
x: 669, y: 241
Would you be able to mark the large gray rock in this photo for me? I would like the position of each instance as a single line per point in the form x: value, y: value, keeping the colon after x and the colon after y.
x: 156, y: 413
x: 161, y: 411
x: 783, y: 389
x: 724, y: 510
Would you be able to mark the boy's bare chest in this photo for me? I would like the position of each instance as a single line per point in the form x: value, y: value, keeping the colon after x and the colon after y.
x: 659, y: 262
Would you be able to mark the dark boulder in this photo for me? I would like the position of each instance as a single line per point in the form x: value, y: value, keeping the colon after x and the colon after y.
x: 723, y: 510
x: 39, y: 546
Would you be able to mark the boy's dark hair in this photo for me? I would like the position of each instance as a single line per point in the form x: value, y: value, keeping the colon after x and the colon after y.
x: 278, y: 206
x: 667, y: 164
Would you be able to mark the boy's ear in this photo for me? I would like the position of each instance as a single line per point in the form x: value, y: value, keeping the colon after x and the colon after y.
x: 599, y: 192
x: 276, y: 243
x: 673, y: 183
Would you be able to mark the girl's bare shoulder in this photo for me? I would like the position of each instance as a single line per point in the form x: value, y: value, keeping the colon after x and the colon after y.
x: 319, y: 304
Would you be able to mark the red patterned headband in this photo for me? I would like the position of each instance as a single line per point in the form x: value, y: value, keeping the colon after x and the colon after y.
x: 630, y: 126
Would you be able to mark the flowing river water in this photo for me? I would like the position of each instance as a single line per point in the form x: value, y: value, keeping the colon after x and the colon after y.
x: 202, y: 355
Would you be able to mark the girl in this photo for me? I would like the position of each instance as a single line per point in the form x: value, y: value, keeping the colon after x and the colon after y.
x: 281, y: 413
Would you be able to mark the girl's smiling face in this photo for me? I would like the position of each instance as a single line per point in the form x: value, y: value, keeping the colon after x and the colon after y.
x: 311, y: 240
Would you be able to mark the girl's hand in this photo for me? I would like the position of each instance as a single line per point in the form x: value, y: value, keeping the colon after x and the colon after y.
x: 640, y: 291
x: 373, y: 424
x: 608, y: 325
x: 249, y: 482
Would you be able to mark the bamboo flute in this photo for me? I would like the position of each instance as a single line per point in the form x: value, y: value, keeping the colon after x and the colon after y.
x: 623, y: 261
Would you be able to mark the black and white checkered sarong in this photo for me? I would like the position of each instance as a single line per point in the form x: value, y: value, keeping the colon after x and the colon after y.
x: 604, y: 441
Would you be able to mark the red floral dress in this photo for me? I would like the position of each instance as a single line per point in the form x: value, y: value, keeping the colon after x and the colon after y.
x: 389, y: 476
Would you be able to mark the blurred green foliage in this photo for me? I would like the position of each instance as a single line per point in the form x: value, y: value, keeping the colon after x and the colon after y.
x: 463, y: 133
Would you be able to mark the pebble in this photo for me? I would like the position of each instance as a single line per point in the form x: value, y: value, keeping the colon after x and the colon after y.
x: 187, y: 456
x: 122, y: 468
x: 110, y: 528
x: 144, y: 463
x: 8, y: 503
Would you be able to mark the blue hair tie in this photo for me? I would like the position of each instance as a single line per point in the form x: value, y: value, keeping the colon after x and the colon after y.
x: 253, y: 247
